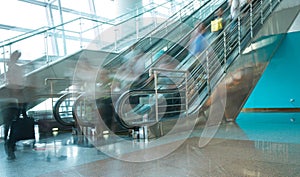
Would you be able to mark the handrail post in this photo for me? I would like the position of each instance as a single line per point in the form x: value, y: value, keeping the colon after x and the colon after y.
x: 166, y: 27
x: 154, y: 18
x: 186, y: 94
x: 46, y: 46
x: 51, y: 80
x: 239, y: 33
x: 180, y: 16
x: 100, y: 27
x: 251, y: 19
x: 80, y: 34
x: 156, y: 95
x: 225, y: 47
x: 116, y: 39
x: 137, y: 27
x: 4, y: 63
x: 261, y: 12
x: 207, y: 70
x: 51, y: 92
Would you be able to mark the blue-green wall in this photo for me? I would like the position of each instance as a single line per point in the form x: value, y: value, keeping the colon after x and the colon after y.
x: 281, y: 80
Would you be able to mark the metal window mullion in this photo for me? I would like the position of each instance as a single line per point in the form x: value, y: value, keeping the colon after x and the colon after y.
x: 63, y: 31
x: 54, y: 42
x: 96, y: 29
x: 261, y: 12
x: 46, y: 46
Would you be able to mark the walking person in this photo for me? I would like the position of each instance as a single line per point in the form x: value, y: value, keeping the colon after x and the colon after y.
x: 14, y: 102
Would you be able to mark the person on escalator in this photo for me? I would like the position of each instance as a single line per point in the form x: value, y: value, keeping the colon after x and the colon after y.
x: 235, y: 6
x: 196, y: 45
x: 218, y: 23
x: 15, y: 86
x: 199, y: 41
x: 217, y: 27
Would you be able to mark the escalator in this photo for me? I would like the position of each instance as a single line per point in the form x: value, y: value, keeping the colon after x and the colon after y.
x: 89, y: 72
x: 200, y: 82
x: 144, y: 94
x: 150, y: 52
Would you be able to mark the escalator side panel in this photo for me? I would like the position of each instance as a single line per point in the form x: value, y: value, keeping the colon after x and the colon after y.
x: 253, y: 62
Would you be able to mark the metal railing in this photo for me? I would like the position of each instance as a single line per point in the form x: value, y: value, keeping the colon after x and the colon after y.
x: 207, y: 7
x: 207, y: 69
x: 172, y: 28
x: 165, y: 100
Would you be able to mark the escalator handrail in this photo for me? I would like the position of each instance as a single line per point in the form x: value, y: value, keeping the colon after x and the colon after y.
x: 150, y: 78
x: 149, y: 34
x: 127, y: 94
x: 185, y: 37
x: 44, y: 29
x: 119, y: 17
x: 56, y: 109
x: 131, y: 92
x: 77, y: 118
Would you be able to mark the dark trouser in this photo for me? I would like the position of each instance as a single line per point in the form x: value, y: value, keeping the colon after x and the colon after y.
x: 9, y: 114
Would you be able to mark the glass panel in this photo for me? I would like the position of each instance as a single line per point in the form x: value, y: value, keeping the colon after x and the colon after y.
x: 81, y: 33
x: 31, y: 49
x: 106, y: 8
x: 7, y: 34
x: 80, y: 5
x: 22, y: 17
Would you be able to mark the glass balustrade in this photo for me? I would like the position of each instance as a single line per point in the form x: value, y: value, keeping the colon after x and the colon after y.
x: 47, y: 44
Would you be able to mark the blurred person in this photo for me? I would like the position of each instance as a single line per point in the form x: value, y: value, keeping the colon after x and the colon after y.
x: 219, y: 21
x: 198, y: 40
x: 133, y: 64
x: 15, y: 85
x: 196, y: 45
x: 234, y: 9
x: 15, y: 76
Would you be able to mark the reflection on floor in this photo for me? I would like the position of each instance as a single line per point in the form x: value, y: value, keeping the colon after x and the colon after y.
x: 250, y: 147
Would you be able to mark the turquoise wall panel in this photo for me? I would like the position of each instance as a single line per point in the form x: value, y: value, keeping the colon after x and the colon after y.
x: 281, y: 80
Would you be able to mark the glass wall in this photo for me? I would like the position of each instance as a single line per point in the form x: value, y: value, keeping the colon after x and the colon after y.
x: 18, y: 17
x: 21, y: 18
x: 35, y: 26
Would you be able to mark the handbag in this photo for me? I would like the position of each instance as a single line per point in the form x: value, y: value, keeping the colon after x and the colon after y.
x: 22, y: 129
x: 216, y: 24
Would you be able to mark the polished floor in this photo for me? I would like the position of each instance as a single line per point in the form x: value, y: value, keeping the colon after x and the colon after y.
x: 257, y: 145
x: 246, y: 148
